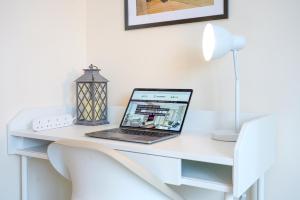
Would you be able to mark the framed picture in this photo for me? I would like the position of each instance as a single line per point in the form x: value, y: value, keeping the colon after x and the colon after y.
x: 151, y: 13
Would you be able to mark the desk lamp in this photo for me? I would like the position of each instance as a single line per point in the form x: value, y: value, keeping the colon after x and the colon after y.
x: 217, y: 42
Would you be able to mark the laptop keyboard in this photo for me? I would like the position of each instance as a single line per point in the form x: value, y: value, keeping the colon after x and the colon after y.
x: 142, y: 133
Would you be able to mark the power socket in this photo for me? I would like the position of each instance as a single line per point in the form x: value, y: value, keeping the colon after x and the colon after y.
x: 46, y: 123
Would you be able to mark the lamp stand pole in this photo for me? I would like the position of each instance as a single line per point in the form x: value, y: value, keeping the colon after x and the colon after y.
x: 227, y: 135
x: 237, y: 92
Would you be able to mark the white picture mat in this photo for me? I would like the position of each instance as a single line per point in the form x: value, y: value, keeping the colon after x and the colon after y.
x: 133, y: 19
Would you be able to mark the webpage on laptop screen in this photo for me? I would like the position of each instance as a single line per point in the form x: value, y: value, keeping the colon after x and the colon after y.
x: 160, y: 110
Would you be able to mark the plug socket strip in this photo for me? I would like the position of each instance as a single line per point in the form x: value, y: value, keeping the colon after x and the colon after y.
x: 46, y: 123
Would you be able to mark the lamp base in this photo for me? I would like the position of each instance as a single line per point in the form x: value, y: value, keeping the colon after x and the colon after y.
x: 225, y: 136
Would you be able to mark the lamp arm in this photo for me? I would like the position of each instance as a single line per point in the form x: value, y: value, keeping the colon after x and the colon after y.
x: 237, y: 92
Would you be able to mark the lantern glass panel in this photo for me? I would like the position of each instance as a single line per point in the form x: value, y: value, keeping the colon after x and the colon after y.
x: 100, y: 101
x: 84, y: 102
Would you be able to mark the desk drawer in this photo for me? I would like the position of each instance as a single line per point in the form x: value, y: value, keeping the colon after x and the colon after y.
x: 167, y: 169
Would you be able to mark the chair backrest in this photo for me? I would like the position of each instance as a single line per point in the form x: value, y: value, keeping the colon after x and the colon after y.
x: 101, y: 173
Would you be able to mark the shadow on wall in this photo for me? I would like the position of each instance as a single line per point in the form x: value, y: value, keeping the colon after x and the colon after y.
x: 69, y: 88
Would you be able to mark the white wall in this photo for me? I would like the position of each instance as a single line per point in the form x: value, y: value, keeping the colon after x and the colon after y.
x: 171, y: 57
x: 42, y: 50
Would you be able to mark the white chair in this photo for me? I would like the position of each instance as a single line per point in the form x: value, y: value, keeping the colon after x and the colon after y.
x: 100, y: 173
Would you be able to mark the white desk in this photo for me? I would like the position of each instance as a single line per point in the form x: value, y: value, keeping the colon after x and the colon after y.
x: 192, y: 159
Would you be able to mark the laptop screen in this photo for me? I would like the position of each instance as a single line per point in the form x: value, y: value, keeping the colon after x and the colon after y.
x: 157, y: 109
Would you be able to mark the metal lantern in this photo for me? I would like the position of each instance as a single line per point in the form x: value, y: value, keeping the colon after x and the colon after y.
x: 91, y: 98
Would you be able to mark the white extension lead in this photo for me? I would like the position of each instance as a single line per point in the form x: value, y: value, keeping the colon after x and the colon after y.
x: 46, y: 123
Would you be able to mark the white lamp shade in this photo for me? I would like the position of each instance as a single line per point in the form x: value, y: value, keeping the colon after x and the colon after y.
x: 217, y: 41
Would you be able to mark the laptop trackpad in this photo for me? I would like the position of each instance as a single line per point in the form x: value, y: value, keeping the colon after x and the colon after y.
x: 122, y: 136
x: 134, y: 137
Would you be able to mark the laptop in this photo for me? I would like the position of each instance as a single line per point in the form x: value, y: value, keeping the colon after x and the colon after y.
x: 152, y: 115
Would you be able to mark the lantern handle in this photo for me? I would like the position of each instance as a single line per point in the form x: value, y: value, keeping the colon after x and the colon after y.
x: 93, y: 67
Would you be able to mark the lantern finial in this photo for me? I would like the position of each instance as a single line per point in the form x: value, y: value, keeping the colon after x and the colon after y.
x: 93, y: 66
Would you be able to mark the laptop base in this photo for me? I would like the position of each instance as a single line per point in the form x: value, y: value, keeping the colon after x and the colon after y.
x: 116, y: 134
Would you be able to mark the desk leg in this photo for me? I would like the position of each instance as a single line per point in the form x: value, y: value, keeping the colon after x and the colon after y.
x: 243, y: 197
x: 24, y: 178
x: 228, y: 196
x: 261, y: 188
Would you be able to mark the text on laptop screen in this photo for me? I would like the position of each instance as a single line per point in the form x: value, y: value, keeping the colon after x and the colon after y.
x: 161, y: 110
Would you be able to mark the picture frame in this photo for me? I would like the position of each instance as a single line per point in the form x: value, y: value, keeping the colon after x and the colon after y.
x: 152, y: 13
